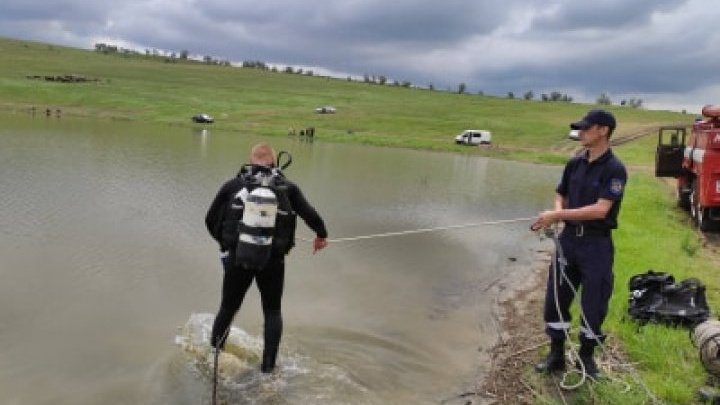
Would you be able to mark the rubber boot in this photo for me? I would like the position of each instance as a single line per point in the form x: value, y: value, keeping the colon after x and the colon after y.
x: 586, y: 358
x: 555, y: 360
x: 273, y: 332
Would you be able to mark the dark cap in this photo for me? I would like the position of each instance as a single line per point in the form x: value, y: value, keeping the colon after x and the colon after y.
x: 595, y: 117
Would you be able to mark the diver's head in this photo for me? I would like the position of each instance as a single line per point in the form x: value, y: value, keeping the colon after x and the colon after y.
x: 262, y: 154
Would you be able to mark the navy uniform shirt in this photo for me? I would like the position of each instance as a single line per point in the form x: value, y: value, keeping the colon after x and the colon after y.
x: 584, y: 182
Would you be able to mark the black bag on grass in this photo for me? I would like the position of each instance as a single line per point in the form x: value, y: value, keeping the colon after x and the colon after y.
x: 655, y: 297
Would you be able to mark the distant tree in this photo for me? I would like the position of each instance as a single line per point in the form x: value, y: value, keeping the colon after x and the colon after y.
x: 299, y: 71
x: 623, y: 102
x: 288, y: 69
x: 544, y: 97
x: 396, y: 83
x: 529, y: 95
x: 366, y: 78
x: 481, y: 93
x: 461, y: 88
x: 208, y: 59
x: 635, y: 103
x: 184, y: 54
x: 349, y: 78
x: 431, y: 87
x: 105, y: 48
x: 510, y: 95
x: 309, y: 73
x: 382, y: 79
x: 604, y: 99
x: 406, y: 83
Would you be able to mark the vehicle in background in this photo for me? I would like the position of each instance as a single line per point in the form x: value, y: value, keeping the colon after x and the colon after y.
x: 325, y: 110
x: 203, y: 119
x: 474, y: 137
x: 574, y: 134
x: 696, y: 166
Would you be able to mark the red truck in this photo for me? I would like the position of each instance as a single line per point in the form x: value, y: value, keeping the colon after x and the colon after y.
x: 695, y: 162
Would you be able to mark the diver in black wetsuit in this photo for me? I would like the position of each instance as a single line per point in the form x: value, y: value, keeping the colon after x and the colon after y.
x: 222, y: 222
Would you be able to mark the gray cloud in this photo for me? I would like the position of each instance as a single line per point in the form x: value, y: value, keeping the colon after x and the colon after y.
x: 651, y: 47
x: 602, y: 15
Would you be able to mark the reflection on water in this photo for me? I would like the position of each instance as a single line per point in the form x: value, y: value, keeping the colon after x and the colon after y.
x: 105, y: 255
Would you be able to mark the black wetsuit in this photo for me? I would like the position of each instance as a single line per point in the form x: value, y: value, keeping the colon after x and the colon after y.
x: 270, y: 280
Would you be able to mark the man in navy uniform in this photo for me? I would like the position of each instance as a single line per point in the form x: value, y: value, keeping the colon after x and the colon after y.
x: 587, y: 200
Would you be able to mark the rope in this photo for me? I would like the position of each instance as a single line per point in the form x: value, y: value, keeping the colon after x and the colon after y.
x: 706, y: 337
x: 423, y: 230
x: 215, y: 364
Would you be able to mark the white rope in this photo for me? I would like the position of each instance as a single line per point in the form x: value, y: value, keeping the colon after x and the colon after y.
x: 422, y: 230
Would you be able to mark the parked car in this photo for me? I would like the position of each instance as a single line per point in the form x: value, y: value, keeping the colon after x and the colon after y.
x: 325, y: 110
x: 574, y: 134
x: 473, y: 137
x: 203, y: 119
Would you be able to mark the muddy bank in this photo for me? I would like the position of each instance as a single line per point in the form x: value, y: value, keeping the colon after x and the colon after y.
x: 519, y: 317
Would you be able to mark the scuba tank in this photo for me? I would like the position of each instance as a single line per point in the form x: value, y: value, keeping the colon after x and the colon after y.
x: 257, y: 226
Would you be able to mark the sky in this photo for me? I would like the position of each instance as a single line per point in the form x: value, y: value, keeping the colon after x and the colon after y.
x: 665, y: 52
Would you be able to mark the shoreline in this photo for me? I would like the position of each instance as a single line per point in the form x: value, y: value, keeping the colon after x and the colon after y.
x: 518, y: 313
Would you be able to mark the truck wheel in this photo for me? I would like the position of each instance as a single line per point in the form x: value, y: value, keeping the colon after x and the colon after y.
x: 703, y: 219
x: 693, y: 200
x: 704, y: 222
x: 700, y: 215
x: 683, y: 198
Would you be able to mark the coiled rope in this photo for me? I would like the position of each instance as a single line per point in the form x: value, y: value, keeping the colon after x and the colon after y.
x: 706, y: 337
x: 423, y: 230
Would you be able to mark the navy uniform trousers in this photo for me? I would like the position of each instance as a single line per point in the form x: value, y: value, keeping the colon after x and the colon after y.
x: 589, y: 264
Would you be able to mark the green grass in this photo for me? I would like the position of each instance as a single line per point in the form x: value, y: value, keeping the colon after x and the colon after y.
x: 268, y: 103
x: 653, y: 234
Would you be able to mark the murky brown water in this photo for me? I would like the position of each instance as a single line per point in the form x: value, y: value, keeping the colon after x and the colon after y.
x: 105, y: 255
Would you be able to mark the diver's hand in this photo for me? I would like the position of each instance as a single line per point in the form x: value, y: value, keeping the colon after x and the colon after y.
x: 319, y: 244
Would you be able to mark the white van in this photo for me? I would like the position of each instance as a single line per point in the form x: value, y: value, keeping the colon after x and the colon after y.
x: 473, y: 137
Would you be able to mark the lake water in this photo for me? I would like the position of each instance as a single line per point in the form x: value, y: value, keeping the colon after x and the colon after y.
x: 105, y: 257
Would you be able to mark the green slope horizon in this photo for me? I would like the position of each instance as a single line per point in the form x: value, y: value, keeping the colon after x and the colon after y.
x: 263, y: 102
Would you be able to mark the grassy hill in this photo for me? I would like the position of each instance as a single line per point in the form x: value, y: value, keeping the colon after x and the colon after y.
x: 268, y: 103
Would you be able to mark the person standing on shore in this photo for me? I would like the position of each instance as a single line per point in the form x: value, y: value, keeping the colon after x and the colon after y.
x: 257, y: 250
x: 587, y: 200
